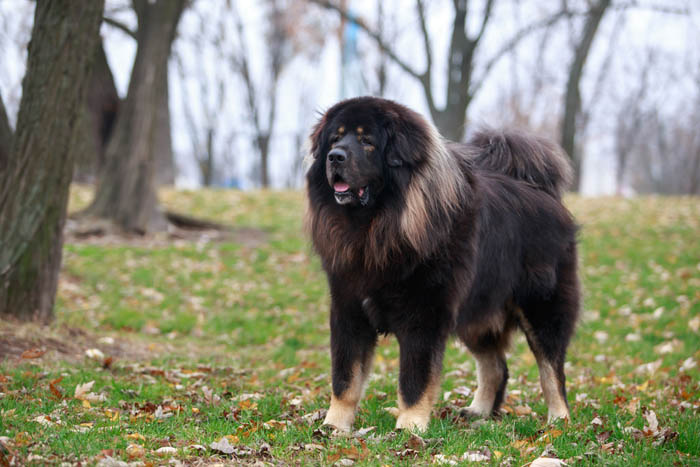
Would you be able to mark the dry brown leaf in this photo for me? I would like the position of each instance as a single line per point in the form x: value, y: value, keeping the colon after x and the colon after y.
x: 33, y: 353
x: 135, y: 451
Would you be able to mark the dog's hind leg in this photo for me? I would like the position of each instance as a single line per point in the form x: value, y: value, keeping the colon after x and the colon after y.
x: 550, y: 361
x: 548, y: 325
x: 488, y: 350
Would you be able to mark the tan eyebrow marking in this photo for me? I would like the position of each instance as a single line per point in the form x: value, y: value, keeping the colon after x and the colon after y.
x: 341, y: 130
x: 360, y: 130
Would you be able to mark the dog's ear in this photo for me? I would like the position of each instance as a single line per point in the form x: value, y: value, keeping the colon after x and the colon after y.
x: 316, y: 136
x: 404, y: 141
x: 319, y: 135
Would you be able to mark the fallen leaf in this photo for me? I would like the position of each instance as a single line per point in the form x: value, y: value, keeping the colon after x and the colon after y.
x: 33, y: 353
x: 135, y: 451
x: 415, y: 442
x: 82, y: 389
x: 688, y: 364
x: 363, y: 432
x: 95, y: 354
x: 166, y: 451
x: 444, y: 460
x: 650, y: 417
x: 222, y: 446
x: 694, y: 324
x: 313, y: 447
x: 522, y: 410
x: 54, y: 389
x: 477, y: 456
x: 547, y: 462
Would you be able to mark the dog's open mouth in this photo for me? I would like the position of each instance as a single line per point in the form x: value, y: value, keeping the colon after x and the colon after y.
x: 344, y: 194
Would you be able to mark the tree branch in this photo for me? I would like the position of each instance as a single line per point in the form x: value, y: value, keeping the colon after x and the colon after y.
x: 513, y: 42
x: 487, y: 16
x: 119, y: 25
x: 371, y: 33
x: 659, y: 8
x: 426, y: 38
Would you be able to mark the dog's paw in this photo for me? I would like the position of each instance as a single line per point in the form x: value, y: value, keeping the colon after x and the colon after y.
x: 470, y: 413
x: 555, y: 415
x: 341, y: 420
x: 412, y: 422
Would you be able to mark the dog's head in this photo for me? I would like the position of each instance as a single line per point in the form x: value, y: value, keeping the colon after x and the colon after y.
x: 364, y: 145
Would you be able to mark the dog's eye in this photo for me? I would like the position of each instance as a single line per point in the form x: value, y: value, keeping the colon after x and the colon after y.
x: 335, y: 138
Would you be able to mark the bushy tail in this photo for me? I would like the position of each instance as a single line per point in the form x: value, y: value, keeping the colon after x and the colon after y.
x: 525, y: 157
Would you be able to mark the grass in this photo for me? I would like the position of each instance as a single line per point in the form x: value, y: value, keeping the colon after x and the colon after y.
x: 209, y: 340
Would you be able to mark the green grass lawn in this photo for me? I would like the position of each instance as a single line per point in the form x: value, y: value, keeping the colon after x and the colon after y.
x: 190, y: 342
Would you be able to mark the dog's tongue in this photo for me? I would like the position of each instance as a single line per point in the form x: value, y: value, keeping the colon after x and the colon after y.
x: 341, y: 187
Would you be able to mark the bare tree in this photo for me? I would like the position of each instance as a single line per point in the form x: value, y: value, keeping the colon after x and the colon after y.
x: 630, y: 118
x: 658, y: 154
x: 34, y: 180
x: 289, y: 32
x: 572, y: 98
x: 278, y: 50
x: 211, y: 136
x: 462, y: 85
x: 126, y: 191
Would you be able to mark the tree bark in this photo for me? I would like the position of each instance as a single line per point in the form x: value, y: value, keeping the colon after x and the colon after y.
x: 5, y: 137
x: 97, y: 119
x: 34, y: 185
x: 165, y: 167
x: 126, y: 192
x: 572, y: 99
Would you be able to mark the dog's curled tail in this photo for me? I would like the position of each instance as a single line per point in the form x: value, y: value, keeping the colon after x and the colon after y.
x: 525, y: 157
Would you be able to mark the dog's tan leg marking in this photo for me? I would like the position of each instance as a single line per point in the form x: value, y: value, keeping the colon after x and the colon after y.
x: 551, y: 387
x: 489, y: 376
x: 556, y: 404
x: 341, y: 413
x: 417, y: 416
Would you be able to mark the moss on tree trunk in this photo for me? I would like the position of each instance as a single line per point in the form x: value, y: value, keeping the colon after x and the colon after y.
x: 35, y: 181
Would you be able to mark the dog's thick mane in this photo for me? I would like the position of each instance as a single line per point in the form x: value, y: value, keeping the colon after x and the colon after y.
x: 415, y: 219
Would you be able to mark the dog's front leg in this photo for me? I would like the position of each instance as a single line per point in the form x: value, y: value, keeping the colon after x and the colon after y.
x: 419, y: 375
x: 352, y: 349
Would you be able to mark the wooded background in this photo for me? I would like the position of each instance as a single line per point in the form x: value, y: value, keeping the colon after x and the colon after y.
x: 223, y: 93
x: 614, y: 81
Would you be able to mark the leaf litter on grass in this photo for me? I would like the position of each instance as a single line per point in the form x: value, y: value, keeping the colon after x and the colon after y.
x: 234, y: 346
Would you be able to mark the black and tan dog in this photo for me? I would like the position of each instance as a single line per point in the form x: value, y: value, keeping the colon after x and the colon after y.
x: 423, y: 238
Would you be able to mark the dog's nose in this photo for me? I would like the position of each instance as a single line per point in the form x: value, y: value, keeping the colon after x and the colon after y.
x: 337, y: 155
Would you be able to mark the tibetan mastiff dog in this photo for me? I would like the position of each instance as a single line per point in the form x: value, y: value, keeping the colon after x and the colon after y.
x: 422, y: 238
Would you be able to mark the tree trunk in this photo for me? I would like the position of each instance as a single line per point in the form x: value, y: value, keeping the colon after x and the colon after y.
x: 165, y: 167
x: 34, y: 186
x: 126, y: 192
x: 97, y: 119
x: 5, y: 137
x: 263, y: 147
x: 207, y: 165
x: 572, y: 99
